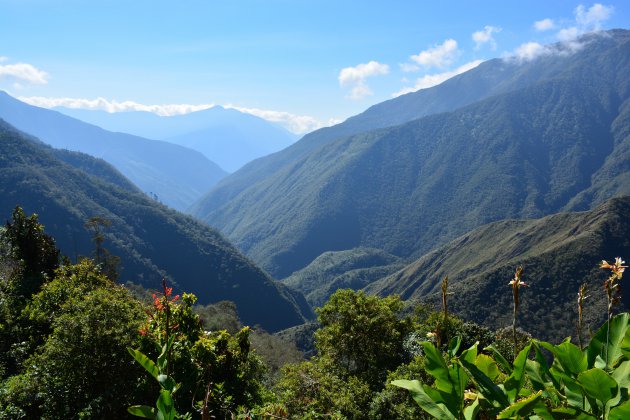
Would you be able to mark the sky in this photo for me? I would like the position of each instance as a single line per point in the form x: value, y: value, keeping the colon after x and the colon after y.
x: 301, y: 63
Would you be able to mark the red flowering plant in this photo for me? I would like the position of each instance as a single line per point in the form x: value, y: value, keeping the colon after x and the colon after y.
x: 173, y: 327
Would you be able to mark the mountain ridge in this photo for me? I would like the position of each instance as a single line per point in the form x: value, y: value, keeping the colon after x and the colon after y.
x: 226, y: 136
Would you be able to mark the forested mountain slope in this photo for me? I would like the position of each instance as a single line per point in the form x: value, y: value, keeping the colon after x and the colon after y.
x: 556, y: 144
x: 558, y: 254
x: 177, y: 175
x: 152, y: 240
x: 354, y: 269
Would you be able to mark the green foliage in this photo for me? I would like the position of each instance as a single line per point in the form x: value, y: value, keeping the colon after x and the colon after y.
x: 81, y: 366
x: 579, y: 383
x: 395, y: 403
x: 310, y: 391
x: 35, y: 251
x: 362, y: 335
x: 215, y: 372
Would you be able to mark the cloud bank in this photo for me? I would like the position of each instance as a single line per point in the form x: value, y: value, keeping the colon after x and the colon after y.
x: 298, y: 124
x: 22, y: 73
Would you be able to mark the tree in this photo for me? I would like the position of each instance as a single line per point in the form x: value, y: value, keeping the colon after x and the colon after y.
x: 108, y: 262
x: 34, y: 250
x: 362, y: 335
x: 82, y: 369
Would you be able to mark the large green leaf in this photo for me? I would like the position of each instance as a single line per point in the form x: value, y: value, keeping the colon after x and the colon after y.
x: 616, y: 339
x: 145, y: 362
x: 569, y: 356
x: 625, y: 344
x: 521, y: 407
x: 598, y: 384
x: 143, y: 411
x: 502, y: 361
x: 571, y: 390
x: 453, y: 346
x: 488, y: 366
x: 621, y: 412
x: 621, y: 374
x: 436, y: 367
x: 516, y: 380
x: 423, y: 400
x: 571, y: 413
x: 166, y: 406
x: 534, y: 372
x: 162, y: 360
x: 167, y: 383
x: 485, y: 385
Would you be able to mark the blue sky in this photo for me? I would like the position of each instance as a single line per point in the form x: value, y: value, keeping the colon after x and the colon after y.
x: 301, y: 63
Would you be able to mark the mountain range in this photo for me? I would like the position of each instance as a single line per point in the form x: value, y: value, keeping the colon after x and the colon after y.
x: 173, y: 174
x: 225, y: 136
x: 519, y: 140
x: 67, y: 188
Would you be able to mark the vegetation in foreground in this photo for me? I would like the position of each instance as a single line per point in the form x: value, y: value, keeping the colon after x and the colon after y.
x: 73, y: 344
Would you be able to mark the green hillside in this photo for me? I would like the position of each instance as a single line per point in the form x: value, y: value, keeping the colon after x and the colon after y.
x: 352, y: 269
x: 558, y: 253
x: 151, y: 240
x: 410, y: 188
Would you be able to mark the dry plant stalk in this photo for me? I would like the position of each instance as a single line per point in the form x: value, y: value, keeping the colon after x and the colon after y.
x: 612, y: 290
x: 581, y: 298
x: 516, y: 284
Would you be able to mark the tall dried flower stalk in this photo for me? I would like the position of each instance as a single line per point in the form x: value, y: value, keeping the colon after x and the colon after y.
x: 581, y: 298
x: 516, y: 284
x: 612, y: 290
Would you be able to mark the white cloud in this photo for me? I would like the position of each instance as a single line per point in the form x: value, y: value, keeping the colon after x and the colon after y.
x: 594, y: 16
x: 103, y: 104
x: 2, y: 58
x: 530, y: 51
x: 22, y: 72
x: 354, y: 77
x: 568, y: 34
x: 586, y: 20
x: 431, y: 80
x: 485, y: 37
x: 438, y: 56
x: 298, y: 124
x: 544, y: 25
